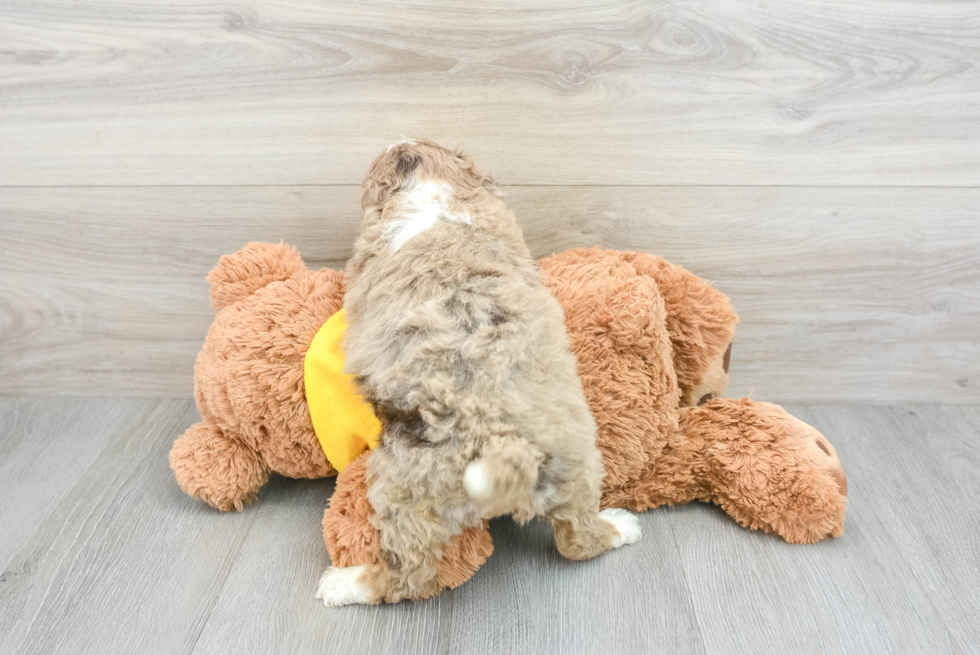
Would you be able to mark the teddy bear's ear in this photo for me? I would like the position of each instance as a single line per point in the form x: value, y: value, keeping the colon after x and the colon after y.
x: 256, y: 265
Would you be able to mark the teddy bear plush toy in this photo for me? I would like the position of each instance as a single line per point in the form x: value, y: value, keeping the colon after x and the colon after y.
x: 653, y: 343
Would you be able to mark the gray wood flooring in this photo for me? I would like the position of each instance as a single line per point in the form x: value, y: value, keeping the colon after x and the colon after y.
x: 101, y: 553
x: 818, y: 160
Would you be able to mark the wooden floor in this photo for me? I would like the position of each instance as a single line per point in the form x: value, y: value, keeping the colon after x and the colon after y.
x: 818, y: 160
x: 101, y: 553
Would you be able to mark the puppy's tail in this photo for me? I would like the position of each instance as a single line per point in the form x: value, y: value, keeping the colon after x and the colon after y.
x: 501, y: 479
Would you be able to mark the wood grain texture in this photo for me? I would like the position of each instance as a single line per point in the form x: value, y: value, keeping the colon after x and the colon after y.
x: 875, y: 590
x: 529, y: 600
x: 801, y: 92
x: 45, y: 454
x: 846, y: 295
x: 819, y: 160
x: 123, y: 562
x: 921, y: 489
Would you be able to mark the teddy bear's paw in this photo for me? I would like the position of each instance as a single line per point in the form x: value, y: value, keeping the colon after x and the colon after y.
x: 833, y: 479
x: 342, y: 586
x: 813, y: 502
x: 626, y: 523
x: 769, y: 470
x: 832, y: 462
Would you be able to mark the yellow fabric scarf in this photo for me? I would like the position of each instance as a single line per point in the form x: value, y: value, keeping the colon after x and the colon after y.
x: 343, y: 422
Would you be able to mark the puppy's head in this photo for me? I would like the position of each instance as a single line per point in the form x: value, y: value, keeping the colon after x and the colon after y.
x: 406, y: 165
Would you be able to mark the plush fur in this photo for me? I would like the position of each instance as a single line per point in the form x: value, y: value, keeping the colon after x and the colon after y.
x: 647, y: 336
x: 248, y: 380
x: 765, y: 468
x: 349, y: 533
x: 462, y: 352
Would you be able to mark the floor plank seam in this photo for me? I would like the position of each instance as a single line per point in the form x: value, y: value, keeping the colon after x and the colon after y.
x: 687, y: 583
x: 727, y: 588
x: 224, y: 582
x: 908, y: 570
x: 71, y: 552
x: 68, y: 493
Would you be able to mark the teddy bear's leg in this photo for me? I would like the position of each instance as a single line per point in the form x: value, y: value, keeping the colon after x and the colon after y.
x: 352, y: 540
x: 411, y: 539
x: 212, y: 467
x: 767, y: 469
x: 701, y: 323
x: 713, y: 381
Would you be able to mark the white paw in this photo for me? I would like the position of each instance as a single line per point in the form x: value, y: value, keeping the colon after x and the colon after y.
x: 625, y: 523
x: 342, y: 587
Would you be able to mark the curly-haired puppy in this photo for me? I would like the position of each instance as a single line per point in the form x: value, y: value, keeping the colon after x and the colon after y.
x: 463, y: 353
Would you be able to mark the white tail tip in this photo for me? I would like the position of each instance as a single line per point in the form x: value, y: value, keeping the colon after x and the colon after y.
x: 477, y: 482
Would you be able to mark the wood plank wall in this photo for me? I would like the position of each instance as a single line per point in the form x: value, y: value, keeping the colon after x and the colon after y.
x: 818, y: 160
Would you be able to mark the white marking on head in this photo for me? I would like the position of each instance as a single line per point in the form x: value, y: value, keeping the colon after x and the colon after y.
x: 411, y: 142
x: 342, y: 587
x: 424, y: 205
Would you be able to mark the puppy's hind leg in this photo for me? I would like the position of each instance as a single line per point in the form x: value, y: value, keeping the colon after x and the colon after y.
x: 582, y: 531
x: 411, y: 540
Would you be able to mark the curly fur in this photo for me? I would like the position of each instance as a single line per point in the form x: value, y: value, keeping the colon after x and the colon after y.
x: 627, y: 327
x: 462, y: 351
x: 355, y: 541
x: 647, y: 336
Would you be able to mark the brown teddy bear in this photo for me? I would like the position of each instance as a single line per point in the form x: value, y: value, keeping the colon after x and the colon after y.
x: 653, y: 343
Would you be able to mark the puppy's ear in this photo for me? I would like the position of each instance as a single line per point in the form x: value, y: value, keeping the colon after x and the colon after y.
x: 490, y: 185
x: 371, y: 215
x: 389, y: 171
x: 406, y: 164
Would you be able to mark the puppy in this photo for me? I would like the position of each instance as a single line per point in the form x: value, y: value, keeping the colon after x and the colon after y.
x: 463, y: 353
